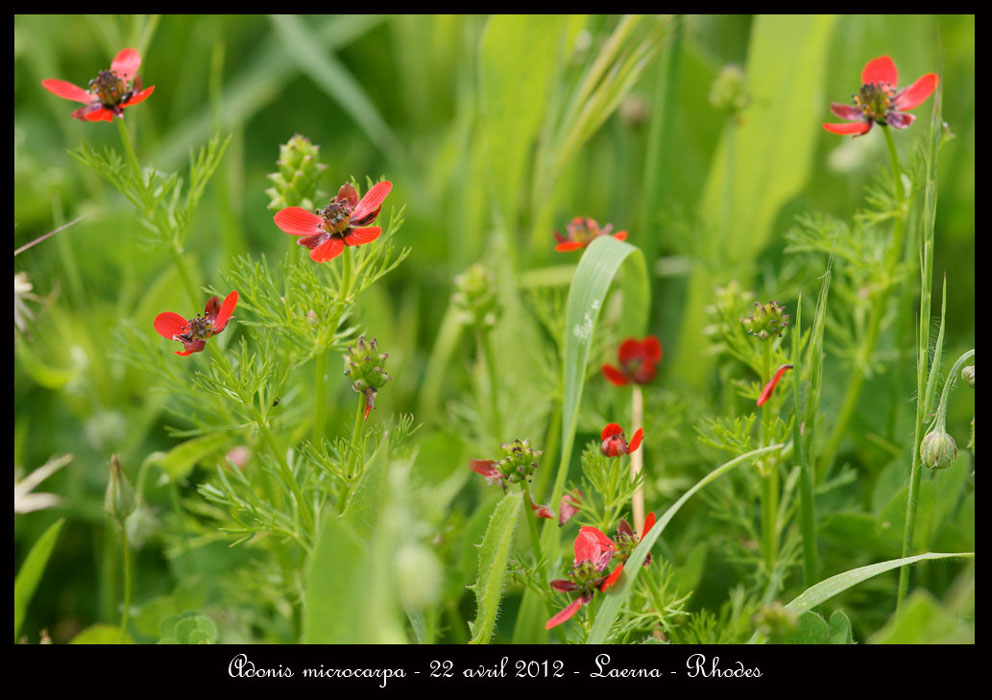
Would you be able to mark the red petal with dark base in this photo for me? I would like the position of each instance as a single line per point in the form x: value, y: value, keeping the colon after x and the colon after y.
x: 126, y: 63
x: 359, y: 236
x: 900, y: 120
x: 170, y: 324
x: 67, y: 90
x: 569, y: 246
x: 849, y: 112
x: 766, y: 393
x: 139, y: 97
x: 916, y: 93
x: 635, y: 441
x: 854, y: 128
x: 614, y: 375
x: 371, y: 202
x: 648, y: 524
x: 600, y: 537
x: 563, y: 585
x: 348, y: 194
x: 610, y: 430
x: 327, y: 250
x: 297, y: 221
x: 565, y: 614
x: 226, y: 309
x: 880, y: 70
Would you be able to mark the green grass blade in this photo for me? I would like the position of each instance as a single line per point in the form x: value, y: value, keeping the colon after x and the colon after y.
x: 494, y: 553
x: 618, y: 594
x: 31, y: 571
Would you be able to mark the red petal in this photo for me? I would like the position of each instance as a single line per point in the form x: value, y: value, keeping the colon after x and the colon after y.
x: 563, y: 585
x: 565, y: 614
x: 102, y: 114
x: 348, y: 194
x: 569, y: 246
x: 916, y: 93
x: 630, y: 349
x: 226, y: 309
x: 328, y: 250
x: 297, y: 221
x: 612, y: 578
x: 602, y: 540
x: 651, y: 347
x: 845, y: 111
x: 610, y: 430
x: 170, y: 324
x: 560, y: 238
x: 766, y: 393
x: 212, y: 308
x: 312, y: 242
x: 614, y: 375
x: 541, y: 510
x: 371, y: 201
x: 483, y: 466
x: 623, y: 528
x: 648, y: 524
x: 139, y: 97
x: 358, y: 236
x: 854, y: 128
x: 635, y: 441
x: 67, y: 90
x: 184, y: 353
x: 900, y: 120
x: 126, y: 63
x: 620, y: 235
x: 570, y: 504
x: 879, y: 70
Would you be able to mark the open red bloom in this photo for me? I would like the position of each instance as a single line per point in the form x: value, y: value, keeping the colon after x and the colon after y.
x: 627, y: 539
x: 343, y: 222
x: 615, y: 442
x: 878, y: 101
x: 638, y: 362
x: 766, y: 393
x: 193, y: 333
x: 581, y: 231
x: 593, y: 552
x: 109, y: 93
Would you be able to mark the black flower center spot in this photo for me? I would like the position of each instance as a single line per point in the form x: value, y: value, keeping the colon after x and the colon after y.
x: 110, y: 88
x: 337, y: 216
x: 875, y: 100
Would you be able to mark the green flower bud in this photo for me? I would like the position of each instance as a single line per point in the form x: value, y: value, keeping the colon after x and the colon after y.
x: 364, y: 364
x: 729, y: 90
x: 520, y: 462
x: 968, y: 374
x: 299, y: 171
x: 768, y: 321
x: 476, y: 297
x: 938, y: 450
x: 119, y: 500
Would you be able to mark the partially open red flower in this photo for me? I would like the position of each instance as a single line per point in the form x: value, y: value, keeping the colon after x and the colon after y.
x: 638, y: 362
x: 109, y: 93
x: 879, y: 102
x: 581, y: 231
x: 193, y: 333
x: 766, y: 393
x: 615, y: 442
x: 343, y: 222
x: 627, y: 539
x: 593, y: 552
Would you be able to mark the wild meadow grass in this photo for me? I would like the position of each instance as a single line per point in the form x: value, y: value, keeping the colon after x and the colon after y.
x: 466, y: 329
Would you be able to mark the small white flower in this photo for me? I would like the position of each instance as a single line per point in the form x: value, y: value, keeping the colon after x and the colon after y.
x: 24, y: 500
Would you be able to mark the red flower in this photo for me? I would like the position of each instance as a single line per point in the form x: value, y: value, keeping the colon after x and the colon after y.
x: 343, y: 222
x: 766, y: 393
x: 581, y: 231
x: 615, y: 442
x: 638, y: 362
x: 627, y: 539
x: 878, y: 100
x: 109, y: 93
x: 193, y: 333
x: 570, y: 504
x: 593, y: 552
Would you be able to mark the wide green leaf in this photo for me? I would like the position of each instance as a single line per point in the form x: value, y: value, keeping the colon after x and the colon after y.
x: 31, y: 570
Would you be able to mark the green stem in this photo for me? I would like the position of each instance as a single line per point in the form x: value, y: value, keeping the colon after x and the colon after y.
x: 769, y: 475
x: 127, y: 582
x: 129, y: 153
x: 535, y: 538
x: 180, y: 263
x: 485, y: 345
x: 354, y: 455
x: 320, y: 395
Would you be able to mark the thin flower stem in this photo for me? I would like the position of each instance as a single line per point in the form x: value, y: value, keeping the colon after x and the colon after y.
x: 769, y: 475
x: 485, y: 344
x: 355, y: 454
x: 132, y: 159
x: 127, y: 582
x: 637, y: 457
x: 535, y: 538
x: 180, y: 263
x: 320, y: 396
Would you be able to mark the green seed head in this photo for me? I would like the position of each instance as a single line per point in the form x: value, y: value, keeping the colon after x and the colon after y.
x: 298, y: 173
x: 476, y: 297
x: 768, y: 321
x: 938, y: 450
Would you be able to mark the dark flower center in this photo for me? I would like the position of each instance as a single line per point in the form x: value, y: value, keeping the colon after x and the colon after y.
x: 199, y: 328
x: 337, y: 216
x: 586, y: 576
x: 110, y: 88
x: 875, y: 100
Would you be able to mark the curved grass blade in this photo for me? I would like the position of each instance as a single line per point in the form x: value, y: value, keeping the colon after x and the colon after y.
x: 611, y: 606
x: 493, y: 556
x: 31, y: 571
